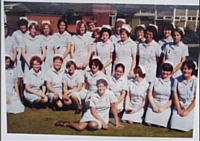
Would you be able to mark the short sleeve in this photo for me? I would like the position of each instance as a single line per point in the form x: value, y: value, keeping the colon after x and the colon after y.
x: 15, y: 73
x: 152, y: 85
x: 47, y: 76
x: 125, y: 84
x: 133, y: 48
x: 64, y: 79
x: 185, y: 51
x: 112, y: 97
x: 92, y: 102
x: 69, y: 38
x: 112, y: 47
x: 27, y: 78
x: 175, y: 84
x: 158, y: 50
x: 80, y: 78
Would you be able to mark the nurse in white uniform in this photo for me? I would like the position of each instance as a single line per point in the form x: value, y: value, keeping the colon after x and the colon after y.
x: 176, y: 52
x: 73, y: 86
x: 62, y: 41
x: 118, y: 84
x: 184, y: 96
x: 13, y: 102
x: 10, y: 45
x: 149, y: 53
x: 34, y: 83
x: 97, y: 117
x: 159, y: 97
x: 136, y: 97
x: 139, y: 34
x: 47, y: 42
x: 53, y: 79
x: 104, y: 50
x: 125, y: 51
x: 32, y: 46
x: 81, y: 48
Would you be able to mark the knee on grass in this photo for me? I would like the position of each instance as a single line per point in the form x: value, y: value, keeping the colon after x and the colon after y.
x: 92, y: 125
x: 44, y: 100
x: 59, y: 104
x: 38, y: 100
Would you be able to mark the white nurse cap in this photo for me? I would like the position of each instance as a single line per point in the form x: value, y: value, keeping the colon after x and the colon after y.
x: 182, y: 29
x: 7, y: 55
x: 25, y: 18
x: 46, y: 21
x: 77, y: 21
x: 141, y: 25
x: 195, y: 63
x: 121, y: 19
x: 106, y: 26
x: 58, y: 55
x: 72, y: 60
x: 143, y: 69
x: 154, y: 26
x: 98, y: 28
x: 174, y: 26
x: 169, y: 62
x: 127, y: 27
x: 103, y: 77
x: 96, y: 57
x: 31, y: 21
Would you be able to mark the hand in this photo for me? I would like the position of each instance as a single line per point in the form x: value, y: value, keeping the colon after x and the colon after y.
x: 103, y: 70
x: 160, y: 109
x: 104, y: 126
x: 84, y: 65
x: 118, y: 125
x: 180, y: 112
x: 133, y: 111
x: 8, y: 100
x: 128, y: 111
x: 155, y: 109
x: 131, y: 74
x: 79, y: 66
x: 185, y: 113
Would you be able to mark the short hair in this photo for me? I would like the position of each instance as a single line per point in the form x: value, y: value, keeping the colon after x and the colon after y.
x: 35, y: 58
x: 70, y: 63
x: 153, y: 30
x: 167, y: 67
x: 22, y: 22
x: 168, y: 26
x: 78, y: 26
x: 118, y: 24
x: 179, y: 31
x: 43, y: 27
x: 122, y: 30
x: 98, y: 31
x: 57, y: 58
x: 33, y: 25
x: 11, y: 62
x: 138, y: 70
x: 6, y: 26
x: 103, y: 81
x: 91, y: 20
x: 120, y: 65
x: 105, y: 30
x: 60, y: 21
x: 190, y: 64
x: 139, y: 28
x: 97, y: 63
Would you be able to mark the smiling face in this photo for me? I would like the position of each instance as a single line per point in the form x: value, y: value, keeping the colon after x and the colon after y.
x: 7, y: 63
x: 62, y: 27
x: 23, y: 28
x: 187, y: 72
x: 46, y: 30
x: 167, y: 33
x: 33, y: 31
x: 94, y: 68
x: 91, y: 26
x: 140, y: 35
x: 105, y: 36
x: 123, y: 36
x: 101, y: 88
x: 36, y: 66
x: 57, y: 63
x: 176, y: 37
x: 119, y: 72
x: 82, y: 29
x: 71, y: 69
x: 149, y: 36
x: 165, y: 74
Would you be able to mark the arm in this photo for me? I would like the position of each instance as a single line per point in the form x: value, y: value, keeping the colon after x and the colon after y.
x: 176, y: 102
x: 24, y: 56
x: 191, y: 106
x: 30, y: 90
x: 141, y: 105
x: 14, y: 57
x: 88, y: 56
x: 76, y: 89
x: 133, y: 64
x: 151, y: 101
x: 72, y: 52
x: 163, y: 58
x: 127, y: 101
x: 123, y: 94
x: 179, y: 65
x: 109, y: 60
x: 48, y: 84
x: 67, y: 51
x: 43, y: 53
x: 16, y: 87
x: 115, y: 113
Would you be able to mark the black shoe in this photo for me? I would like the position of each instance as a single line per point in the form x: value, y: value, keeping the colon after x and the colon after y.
x: 78, y: 111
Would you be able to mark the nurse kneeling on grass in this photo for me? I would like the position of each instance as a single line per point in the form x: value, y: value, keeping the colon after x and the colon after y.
x: 97, y: 117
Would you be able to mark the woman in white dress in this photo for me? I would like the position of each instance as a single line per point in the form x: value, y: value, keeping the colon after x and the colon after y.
x: 136, y: 97
x: 34, y: 84
x: 97, y: 117
x: 73, y: 86
x: 116, y: 36
x: 13, y: 102
x: 159, y: 97
x: 139, y: 34
x: 184, y: 96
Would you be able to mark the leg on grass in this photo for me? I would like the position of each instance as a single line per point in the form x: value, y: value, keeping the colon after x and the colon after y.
x: 77, y: 126
x: 92, y: 125
x: 59, y: 104
x: 76, y: 101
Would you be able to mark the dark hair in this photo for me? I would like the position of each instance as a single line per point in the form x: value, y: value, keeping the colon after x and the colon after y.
x: 35, y: 58
x: 139, y: 28
x: 22, y: 22
x: 8, y: 28
x: 190, y: 64
x: 60, y: 21
x: 97, y: 63
x: 118, y: 24
x: 78, y: 26
x: 124, y: 30
x: 179, y: 31
x: 120, y: 65
x: 70, y: 63
x: 33, y: 25
x: 167, y: 67
x: 138, y: 70
x: 57, y: 57
x: 43, y: 27
x: 11, y: 62
x: 103, y: 81
x: 98, y: 31
x: 105, y: 30
x: 153, y: 30
x: 167, y: 26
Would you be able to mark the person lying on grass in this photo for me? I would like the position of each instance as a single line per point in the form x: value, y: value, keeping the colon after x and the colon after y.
x: 97, y: 117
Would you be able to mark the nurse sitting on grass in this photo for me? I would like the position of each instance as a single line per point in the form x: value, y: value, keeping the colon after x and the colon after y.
x: 97, y: 117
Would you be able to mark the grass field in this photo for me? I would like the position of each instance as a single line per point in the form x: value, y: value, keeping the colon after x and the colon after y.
x: 42, y: 122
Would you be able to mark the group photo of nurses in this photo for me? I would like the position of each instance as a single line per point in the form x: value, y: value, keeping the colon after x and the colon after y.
x: 134, y: 75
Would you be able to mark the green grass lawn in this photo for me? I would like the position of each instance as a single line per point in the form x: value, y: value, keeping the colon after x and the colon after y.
x: 42, y: 122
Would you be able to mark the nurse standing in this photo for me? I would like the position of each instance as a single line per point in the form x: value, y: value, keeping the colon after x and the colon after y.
x: 184, y: 96
x: 97, y: 117
x: 53, y: 79
x: 13, y: 103
x: 73, y: 90
x: 81, y: 48
x: 32, y: 46
x: 118, y: 85
x: 104, y: 50
x: 62, y: 41
x: 159, y: 97
x: 34, y: 83
x: 149, y: 53
x: 10, y: 45
x: 139, y: 34
x: 125, y: 51
x: 176, y: 52
x: 136, y: 97
x: 47, y: 42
